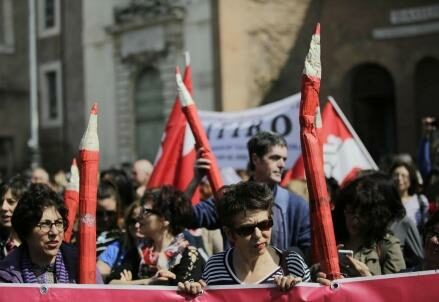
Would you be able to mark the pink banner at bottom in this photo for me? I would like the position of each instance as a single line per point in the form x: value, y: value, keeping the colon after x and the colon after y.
x: 422, y: 286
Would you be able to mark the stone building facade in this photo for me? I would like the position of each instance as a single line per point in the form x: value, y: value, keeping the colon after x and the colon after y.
x: 380, y: 62
x: 131, y: 50
x: 58, y: 39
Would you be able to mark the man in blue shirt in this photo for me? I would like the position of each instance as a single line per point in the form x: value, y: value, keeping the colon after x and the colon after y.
x: 267, y: 157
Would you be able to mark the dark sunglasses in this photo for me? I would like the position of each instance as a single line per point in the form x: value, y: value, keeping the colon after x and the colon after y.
x: 247, y: 230
x: 132, y: 221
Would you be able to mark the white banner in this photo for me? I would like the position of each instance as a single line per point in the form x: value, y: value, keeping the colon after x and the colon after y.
x: 229, y: 132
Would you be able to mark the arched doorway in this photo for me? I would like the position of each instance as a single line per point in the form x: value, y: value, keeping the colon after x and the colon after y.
x: 148, y: 101
x: 373, y: 107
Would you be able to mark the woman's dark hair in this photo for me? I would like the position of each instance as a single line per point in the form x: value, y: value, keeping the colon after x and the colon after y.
x: 333, y: 188
x: 108, y: 189
x: 30, y: 209
x: 123, y: 183
x: 375, y: 198
x: 261, y: 143
x: 171, y: 204
x: 18, y: 185
x: 108, y: 220
x: 243, y: 197
x: 128, y: 241
x: 414, y: 183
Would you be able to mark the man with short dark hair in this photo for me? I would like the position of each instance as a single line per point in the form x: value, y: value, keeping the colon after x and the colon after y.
x: 267, y: 157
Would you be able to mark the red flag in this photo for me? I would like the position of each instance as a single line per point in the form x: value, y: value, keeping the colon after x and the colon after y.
x: 185, y: 170
x: 71, y: 199
x: 296, y: 172
x: 344, y: 153
x: 310, y: 135
x: 88, y: 189
x: 191, y: 113
x: 174, y: 163
x: 164, y: 172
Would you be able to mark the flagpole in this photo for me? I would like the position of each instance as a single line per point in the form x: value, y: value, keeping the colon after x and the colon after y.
x: 352, y: 131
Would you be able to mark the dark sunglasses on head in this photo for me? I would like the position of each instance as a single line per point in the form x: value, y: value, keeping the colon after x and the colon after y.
x: 247, y: 230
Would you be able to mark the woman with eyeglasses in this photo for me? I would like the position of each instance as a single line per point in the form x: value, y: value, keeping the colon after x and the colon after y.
x: 40, y: 220
x: 168, y: 257
x: 245, y: 212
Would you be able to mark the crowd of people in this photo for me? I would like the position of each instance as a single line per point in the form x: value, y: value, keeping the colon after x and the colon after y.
x: 252, y: 232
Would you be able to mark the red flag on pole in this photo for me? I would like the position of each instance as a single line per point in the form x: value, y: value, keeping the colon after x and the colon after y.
x: 313, y: 160
x: 167, y: 159
x: 191, y: 113
x: 185, y: 170
x: 174, y: 164
x: 343, y: 152
x: 89, y: 158
x: 71, y: 199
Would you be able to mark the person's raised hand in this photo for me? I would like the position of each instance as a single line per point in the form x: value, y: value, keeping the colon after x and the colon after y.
x: 202, y: 165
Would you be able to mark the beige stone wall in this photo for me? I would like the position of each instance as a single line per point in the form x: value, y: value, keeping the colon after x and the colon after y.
x: 348, y: 41
x: 256, y: 38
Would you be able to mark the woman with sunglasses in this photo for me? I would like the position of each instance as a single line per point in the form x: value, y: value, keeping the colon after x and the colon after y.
x: 40, y: 220
x: 245, y: 211
x: 168, y: 257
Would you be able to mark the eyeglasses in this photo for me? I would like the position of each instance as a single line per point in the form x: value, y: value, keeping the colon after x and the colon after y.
x: 46, y: 225
x: 132, y: 221
x: 247, y: 230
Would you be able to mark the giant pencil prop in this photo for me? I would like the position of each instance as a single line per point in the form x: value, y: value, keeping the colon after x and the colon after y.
x: 89, y: 157
x: 313, y: 161
x: 191, y: 113
x: 71, y: 199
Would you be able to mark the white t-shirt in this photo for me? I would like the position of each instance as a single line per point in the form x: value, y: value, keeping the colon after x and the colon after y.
x: 413, y: 209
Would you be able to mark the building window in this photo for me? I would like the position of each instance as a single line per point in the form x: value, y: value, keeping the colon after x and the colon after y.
x: 49, y: 18
x: 149, y: 115
x: 6, y: 27
x: 51, y: 94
